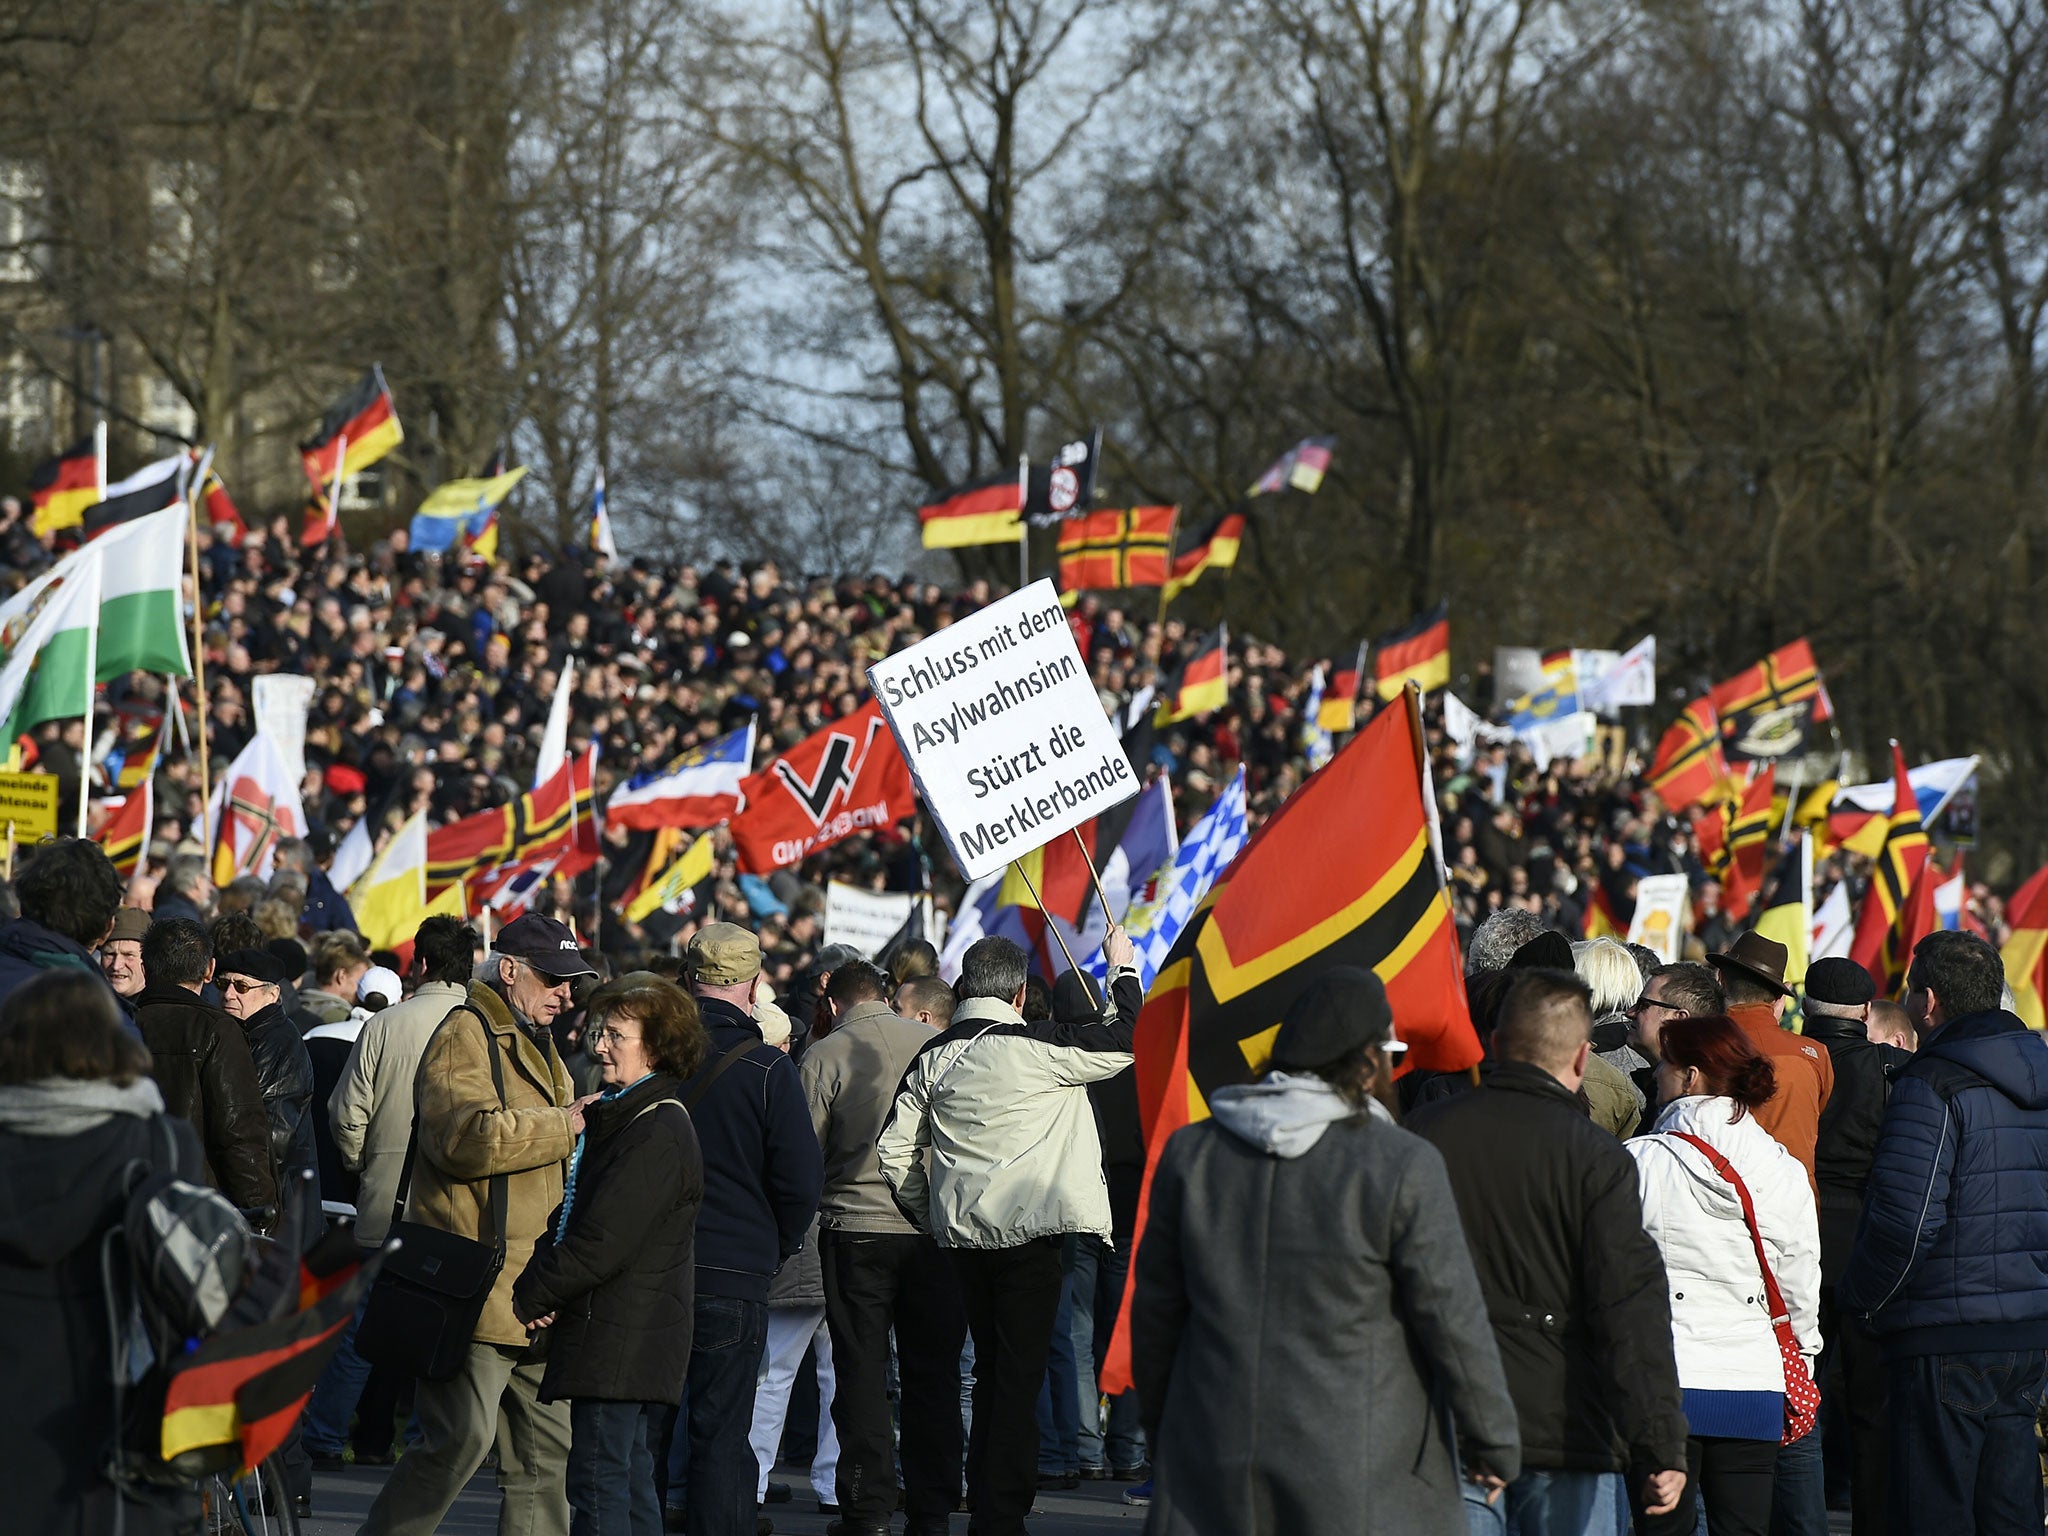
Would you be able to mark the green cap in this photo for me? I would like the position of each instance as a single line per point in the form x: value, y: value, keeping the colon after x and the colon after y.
x: 724, y: 955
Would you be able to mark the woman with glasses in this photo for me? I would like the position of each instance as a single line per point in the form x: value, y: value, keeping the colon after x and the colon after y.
x: 613, y: 1277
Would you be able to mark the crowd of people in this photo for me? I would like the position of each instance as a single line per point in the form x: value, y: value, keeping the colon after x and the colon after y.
x: 1660, y: 1261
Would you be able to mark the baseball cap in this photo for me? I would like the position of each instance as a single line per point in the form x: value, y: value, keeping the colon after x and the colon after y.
x: 723, y: 955
x: 1341, y: 1010
x: 546, y: 945
x: 381, y: 981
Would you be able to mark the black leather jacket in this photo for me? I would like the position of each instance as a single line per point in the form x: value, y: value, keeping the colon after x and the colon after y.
x: 285, y: 1074
x: 203, y: 1067
x: 1849, y: 1125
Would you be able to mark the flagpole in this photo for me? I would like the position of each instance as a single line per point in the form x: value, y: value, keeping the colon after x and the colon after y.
x: 198, y: 652
x: 334, y: 494
x: 92, y: 665
x: 99, y: 456
x: 1050, y: 921
x: 1089, y: 859
x: 1023, y: 523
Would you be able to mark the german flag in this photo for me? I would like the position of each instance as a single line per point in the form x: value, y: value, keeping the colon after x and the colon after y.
x: 986, y: 512
x: 1880, y: 925
x: 1214, y: 549
x: 1602, y: 920
x: 1301, y: 467
x: 1420, y: 654
x: 364, y: 420
x: 1749, y: 834
x: 555, y: 821
x: 1340, y: 700
x: 220, y: 509
x: 2026, y: 950
x: 1346, y: 872
x: 233, y: 1400
x: 1689, y: 768
x: 62, y: 488
x: 1202, y: 684
x: 125, y: 833
x: 1103, y: 551
x: 1764, y: 711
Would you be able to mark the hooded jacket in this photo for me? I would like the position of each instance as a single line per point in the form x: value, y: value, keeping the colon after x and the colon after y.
x: 991, y: 1141
x: 62, y: 1186
x: 1948, y: 1257
x: 202, y: 1065
x: 1303, y: 1283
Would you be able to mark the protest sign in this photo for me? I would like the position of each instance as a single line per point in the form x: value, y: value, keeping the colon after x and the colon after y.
x: 28, y: 804
x: 1003, y: 731
x: 282, y: 701
x: 1659, y: 921
x: 868, y: 920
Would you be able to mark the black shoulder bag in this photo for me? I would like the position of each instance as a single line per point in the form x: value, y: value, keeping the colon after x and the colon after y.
x: 431, y: 1291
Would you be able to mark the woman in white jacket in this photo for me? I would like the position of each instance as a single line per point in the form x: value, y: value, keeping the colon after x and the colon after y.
x: 1729, y: 1366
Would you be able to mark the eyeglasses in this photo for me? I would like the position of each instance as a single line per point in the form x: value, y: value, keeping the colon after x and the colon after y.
x: 606, y: 1035
x: 240, y: 984
x: 1650, y: 1002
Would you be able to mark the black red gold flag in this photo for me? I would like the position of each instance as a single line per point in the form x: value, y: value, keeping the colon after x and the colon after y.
x: 60, y: 489
x: 983, y: 513
x: 1301, y: 467
x: 1340, y: 700
x: 1419, y: 654
x: 1202, y: 684
x: 1213, y: 548
x: 365, y: 419
x: 1347, y: 872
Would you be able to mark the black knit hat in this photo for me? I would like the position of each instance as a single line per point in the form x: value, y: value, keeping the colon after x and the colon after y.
x: 1839, y: 981
x: 1341, y: 1010
x: 1549, y: 950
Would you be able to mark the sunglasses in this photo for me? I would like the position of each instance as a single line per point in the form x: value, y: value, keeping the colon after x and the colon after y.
x: 239, y: 984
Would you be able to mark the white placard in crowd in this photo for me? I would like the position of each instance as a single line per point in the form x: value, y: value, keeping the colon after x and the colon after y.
x: 1002, y: 729
x: 868, y: 920
x: 281, y: 702
x: 1572, y: 736
x: 1608, y: 680
x: 1517, y: 669
x: 1659, y: 923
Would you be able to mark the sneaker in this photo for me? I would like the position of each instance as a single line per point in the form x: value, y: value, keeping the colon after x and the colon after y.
x: 1141, y: 1495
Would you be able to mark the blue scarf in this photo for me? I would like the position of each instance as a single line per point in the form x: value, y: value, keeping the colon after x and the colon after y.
x: 576, y: 1157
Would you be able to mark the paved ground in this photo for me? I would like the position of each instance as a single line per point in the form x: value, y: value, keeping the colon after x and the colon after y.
x: 340, y: 1500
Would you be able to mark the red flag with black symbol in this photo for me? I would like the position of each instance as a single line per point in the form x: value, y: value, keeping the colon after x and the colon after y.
x: 849, y: 777
x: 1347, y: 872
x: 1689, y: 768
x: 1749, y: 836
x: 1881, y: 924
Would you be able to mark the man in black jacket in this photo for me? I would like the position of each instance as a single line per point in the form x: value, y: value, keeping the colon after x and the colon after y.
x: 1574, y: 1286
x: 203, y: 1065
x: 763, y: 1173
x: 252, y: 988
x: 1838, y: 997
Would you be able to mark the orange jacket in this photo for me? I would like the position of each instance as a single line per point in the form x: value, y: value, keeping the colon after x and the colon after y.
x: 1806, y: 1077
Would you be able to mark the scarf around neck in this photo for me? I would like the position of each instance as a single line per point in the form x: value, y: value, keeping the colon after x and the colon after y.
x: 66, y: 1106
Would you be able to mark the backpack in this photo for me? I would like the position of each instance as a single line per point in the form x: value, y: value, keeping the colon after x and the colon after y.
x: 170, y: 1270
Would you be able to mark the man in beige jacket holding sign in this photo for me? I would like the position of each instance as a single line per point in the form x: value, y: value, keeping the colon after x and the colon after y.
x: 469, y: 1134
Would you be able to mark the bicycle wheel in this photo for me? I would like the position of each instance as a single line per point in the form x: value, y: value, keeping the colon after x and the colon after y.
x: 256, y: 1505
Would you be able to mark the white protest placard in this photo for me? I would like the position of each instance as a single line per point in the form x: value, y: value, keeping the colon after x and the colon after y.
x: 282, y: 701
x: 1002, y: 729
x: 868, y: 920
x: 1659, y: 923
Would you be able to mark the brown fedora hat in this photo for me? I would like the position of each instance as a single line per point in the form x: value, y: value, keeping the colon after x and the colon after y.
x: 1758, y: 958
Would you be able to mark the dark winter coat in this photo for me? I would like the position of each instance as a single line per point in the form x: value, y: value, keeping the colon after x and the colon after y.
x: 202, y: 1066
x: 285, y: 1073
x: 58, y: 1197
x: 1849, y: 1127
x: 763, y: 1171
x: 326, y: 909
x: 1305, y: 1331
x: 1948, y: 1258
x: 621, y: 1279
x: 27, y: 949
x: 1574, y: 1286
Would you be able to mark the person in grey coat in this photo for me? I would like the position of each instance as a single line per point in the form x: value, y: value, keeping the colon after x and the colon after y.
x: 1307, y: 1330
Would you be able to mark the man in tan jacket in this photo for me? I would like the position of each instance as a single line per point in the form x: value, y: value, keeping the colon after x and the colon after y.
x: 469, y: 1135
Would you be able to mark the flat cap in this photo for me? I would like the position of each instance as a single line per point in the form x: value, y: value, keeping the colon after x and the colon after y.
x: 1341, y: 1010
x: 1839, y: 980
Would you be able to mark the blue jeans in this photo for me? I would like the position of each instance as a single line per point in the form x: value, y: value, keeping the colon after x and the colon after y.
x: 1551, y: 1503
x: 725, y: 1362
x: 1963, y: 1456
x: 1799, y: 1496
x: 333, y: 1403
x: 611, y: 1468
x: 1059, y: 1420
x: 1096, y: 1289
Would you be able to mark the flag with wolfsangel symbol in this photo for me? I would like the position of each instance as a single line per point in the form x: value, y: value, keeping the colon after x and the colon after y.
x: 1347, y: 872
x: 1881, y: 924
x: 1689, y: 768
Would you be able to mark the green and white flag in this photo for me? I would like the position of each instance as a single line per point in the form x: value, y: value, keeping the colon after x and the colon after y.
x: 142, y: 618
x: 49, y: 675
x: 142, y: 622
